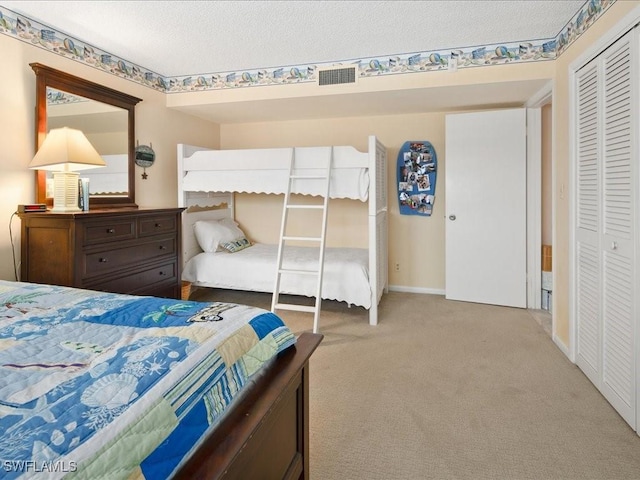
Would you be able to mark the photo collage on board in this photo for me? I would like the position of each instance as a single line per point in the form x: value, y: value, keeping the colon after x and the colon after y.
x: 417, y: 168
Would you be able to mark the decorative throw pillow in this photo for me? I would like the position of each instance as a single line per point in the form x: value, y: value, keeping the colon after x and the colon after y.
x: 236, y: 245
x: 210, y: 233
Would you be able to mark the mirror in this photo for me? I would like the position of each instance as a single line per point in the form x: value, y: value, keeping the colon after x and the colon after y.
x: 106, y: 117
x: 105, y: 126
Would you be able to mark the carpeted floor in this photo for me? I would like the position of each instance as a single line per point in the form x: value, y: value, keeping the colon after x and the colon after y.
x: 450, y: 390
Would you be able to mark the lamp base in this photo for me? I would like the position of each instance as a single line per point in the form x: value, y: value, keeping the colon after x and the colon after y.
x: 65, y: 192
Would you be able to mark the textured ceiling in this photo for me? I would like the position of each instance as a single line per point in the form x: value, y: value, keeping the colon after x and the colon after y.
x: 175, y: 38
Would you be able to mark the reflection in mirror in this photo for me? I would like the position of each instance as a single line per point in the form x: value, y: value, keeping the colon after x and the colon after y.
x: 105, y: 126
x: 105, y: 116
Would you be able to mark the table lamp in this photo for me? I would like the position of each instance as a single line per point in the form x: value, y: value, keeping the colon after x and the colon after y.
x: 64, y: 151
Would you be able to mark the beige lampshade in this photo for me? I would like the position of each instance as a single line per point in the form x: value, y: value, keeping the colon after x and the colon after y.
x: 66, y: 149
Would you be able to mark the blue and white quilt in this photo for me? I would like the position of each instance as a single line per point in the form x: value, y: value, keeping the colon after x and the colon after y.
x: 100, y: 385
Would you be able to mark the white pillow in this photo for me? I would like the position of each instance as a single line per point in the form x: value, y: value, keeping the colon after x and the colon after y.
x: 210, y: 233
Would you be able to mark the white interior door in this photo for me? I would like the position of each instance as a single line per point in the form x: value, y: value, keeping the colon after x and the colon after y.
x: 486, y: 189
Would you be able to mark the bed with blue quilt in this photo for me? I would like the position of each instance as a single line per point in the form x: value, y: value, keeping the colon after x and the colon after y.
x: 103, y: 385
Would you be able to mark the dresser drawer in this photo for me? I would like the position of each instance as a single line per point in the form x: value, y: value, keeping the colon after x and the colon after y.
x: 141, y: 281
x: 108, y: 231
x: 105, y: 261
x: 155, y: 225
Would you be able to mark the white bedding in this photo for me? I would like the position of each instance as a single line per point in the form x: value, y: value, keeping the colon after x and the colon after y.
x: 346, y: 277
x: 350, y: 183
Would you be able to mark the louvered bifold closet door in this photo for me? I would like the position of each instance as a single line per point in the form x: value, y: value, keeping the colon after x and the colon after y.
x: 588, y: 287
x: 606, y: 211
x: 620, y: 109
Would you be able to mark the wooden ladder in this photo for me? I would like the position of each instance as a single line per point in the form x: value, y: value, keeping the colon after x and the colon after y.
x: 275, y: 301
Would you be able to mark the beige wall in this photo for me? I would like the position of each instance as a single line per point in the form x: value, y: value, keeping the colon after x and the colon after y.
x: 155, y: 124
x: 416, y: 243
x: 561, y: 161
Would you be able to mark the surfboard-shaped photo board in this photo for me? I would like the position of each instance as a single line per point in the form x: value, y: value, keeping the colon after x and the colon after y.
x: 417, y: 170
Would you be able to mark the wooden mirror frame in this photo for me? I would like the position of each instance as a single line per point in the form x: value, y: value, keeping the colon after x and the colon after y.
x: 49, y: 77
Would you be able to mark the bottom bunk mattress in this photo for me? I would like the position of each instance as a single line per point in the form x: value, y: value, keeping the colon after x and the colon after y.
x: 118, y: 386
x: 345, y: 279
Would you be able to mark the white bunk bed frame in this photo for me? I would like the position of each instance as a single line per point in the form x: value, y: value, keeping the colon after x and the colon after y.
x: 271, y: 167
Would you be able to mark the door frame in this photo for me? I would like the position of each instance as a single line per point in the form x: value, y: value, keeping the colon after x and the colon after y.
x: 534, y: 193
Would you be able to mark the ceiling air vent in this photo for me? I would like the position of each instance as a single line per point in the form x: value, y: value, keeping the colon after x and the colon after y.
x: 337, y: 75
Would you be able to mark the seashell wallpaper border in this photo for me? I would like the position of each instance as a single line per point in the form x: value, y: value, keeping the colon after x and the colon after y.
x: 42, y: 36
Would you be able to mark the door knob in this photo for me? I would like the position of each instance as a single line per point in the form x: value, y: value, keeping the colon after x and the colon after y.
x: 452, y: 217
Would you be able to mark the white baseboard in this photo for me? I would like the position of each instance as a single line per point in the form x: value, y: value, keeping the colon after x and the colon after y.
x: 403, y: 289
x: 563, y: 348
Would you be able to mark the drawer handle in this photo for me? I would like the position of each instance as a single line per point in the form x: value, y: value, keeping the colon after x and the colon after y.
x: 111, y: 230
x: 162, y: 273
x: 103, y: 260
x: 162, y: 247
x: 158, y: 225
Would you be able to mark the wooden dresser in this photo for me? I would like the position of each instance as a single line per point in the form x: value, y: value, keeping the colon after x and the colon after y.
x: 135, y: 251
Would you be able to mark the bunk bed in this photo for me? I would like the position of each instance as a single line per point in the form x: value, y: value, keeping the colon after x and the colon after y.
x: 106, y: 385
x: 208, y: 179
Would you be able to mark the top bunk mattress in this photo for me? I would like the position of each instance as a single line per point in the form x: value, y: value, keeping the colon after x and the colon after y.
x: 345, y: 183
x: 267, y: 171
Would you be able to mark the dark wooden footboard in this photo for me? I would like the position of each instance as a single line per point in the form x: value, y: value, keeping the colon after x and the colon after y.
x: 266, y: 435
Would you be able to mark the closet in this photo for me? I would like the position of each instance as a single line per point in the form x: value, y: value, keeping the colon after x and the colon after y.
x: 606, y: 222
